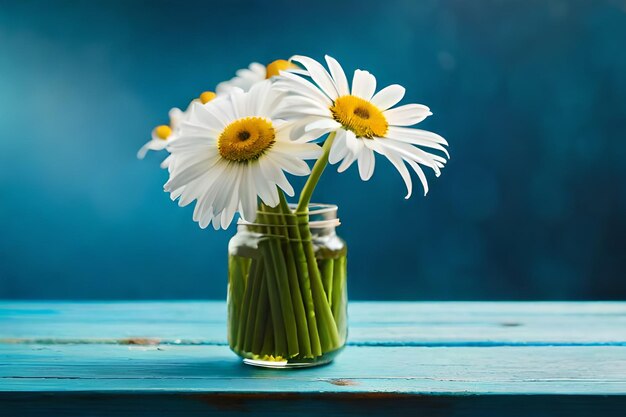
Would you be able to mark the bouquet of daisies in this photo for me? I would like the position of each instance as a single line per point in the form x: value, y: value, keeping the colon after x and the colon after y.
x: 230, y: 151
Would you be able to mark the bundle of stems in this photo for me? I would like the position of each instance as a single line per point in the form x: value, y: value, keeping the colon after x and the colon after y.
x: 287, y: 301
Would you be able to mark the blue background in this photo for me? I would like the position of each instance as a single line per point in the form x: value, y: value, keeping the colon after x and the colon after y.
x: 531, y: 96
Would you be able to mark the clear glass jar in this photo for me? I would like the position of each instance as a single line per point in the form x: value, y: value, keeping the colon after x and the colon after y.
x: 287, y: 289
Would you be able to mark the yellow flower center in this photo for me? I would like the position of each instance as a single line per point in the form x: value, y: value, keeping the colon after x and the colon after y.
x: 207, y: 96
x: 246, y: 139
x: 163, y: 132
x: 359, y: 116
x: 275, y: 67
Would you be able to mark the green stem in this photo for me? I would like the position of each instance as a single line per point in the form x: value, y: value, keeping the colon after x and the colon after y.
x: 339, y: 279
x: 339, y: 306
x: 294, y: 286
x: 303, y: 275
x: 245, y: 306
x: 316, y: 173
x: 237, y: 271
x: 326, y: 267
x: 268, y: 338
x: 329, y: 336
x: 260, y: 318
x: 278, y: 286
x: 254, y: 281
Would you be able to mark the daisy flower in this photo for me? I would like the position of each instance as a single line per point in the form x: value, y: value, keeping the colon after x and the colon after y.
x: 232, y: 151
x: 163, y: 134
x: 363, y: 123
x: 247, y: 77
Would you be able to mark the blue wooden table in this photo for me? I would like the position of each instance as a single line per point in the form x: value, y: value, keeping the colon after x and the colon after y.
x: 424, y: 359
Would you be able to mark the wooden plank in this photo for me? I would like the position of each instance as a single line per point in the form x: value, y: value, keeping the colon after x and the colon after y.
x: 371, y: 323
x: 593, y: 370
x: 430, y: 359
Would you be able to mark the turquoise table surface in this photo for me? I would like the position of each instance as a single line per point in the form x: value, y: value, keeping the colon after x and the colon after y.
x: 422, y: 359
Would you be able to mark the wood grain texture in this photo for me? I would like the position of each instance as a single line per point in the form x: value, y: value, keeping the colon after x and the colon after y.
x: 170, y: 358
x: 371, y: 323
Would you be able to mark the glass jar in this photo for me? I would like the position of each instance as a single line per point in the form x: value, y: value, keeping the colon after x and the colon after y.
x: 287, y: 292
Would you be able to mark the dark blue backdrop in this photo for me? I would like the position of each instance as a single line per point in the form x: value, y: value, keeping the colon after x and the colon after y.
x: 530, y: 94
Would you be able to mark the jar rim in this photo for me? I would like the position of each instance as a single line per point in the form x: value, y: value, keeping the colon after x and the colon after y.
x: 327, y: 214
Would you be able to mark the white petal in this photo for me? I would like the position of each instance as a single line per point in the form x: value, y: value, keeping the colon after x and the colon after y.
x: 266, y: 189
x: 353, y: 144
x: 216, y: 220
x: 143, y: 151
x: 407, y: 151
x: 338, y: 150
x: 363, y: 84
x: 298, y: 133
x: 407, y: 115
x: 224, y: 197
x: 205, y: 117
x: 296, y: 84
x: 239, y: 104
x: 319, y: 75
x: 248, y: 196
x: 421, y: 142
x: 354, y: 147
x: 176, y: 115
x: 399, y: 164
x: 189, y: 173
x: 409, y: 133
x: 338, y: 75
x: 348, y: 160
x: 273, y: 173
x: 388, y: 96
x: 366, y: 164
x: 300, y: 106
x: 420, y: 173
x: 166, y: 162
x: 298, y: 150
x: 323, y: 124
x: 233, y: 203
x: 261, y: 99
x: 289, y: 164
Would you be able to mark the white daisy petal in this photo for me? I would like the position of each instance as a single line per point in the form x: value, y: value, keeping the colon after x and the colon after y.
x: 298, y: 107
x: 338, y: 150
x: 267, y: 190
x: 363, y: 84
x: 216, y: 221
x: 203, y: 119
x: 399, y: 164
x: 323, y: 124
x: 388, y: 96
x: 347, y: 161
x: 353, y: 144
x: 298, y: 132
x: 319, y: 75
x: 366, y: 164
x: 166, y: 162
x: 143, y: 151
x: 408, y: 134
x: 291, y: 165
x: 420, y: 174
x: 296, y: 149
x: 407, y: 151
x: 338, y: 75
x: 244, y: 79
x: 407, y: 115
x: 296, y: 84
x: 416, y: 140
x: 189, y: 173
